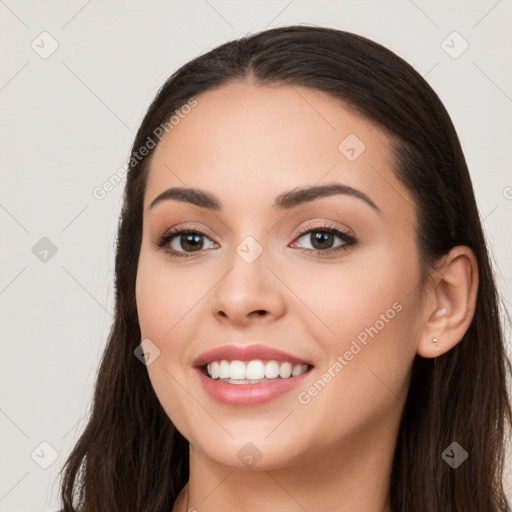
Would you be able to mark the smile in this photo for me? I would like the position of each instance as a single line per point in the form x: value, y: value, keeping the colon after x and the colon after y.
x: 253, y: 372
x: 249, y: 374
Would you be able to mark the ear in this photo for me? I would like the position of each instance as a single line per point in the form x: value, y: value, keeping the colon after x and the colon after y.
x: 451, y: 305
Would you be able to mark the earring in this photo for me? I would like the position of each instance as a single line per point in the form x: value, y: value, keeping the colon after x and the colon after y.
x: 441, y: 312
x: 435, y: 340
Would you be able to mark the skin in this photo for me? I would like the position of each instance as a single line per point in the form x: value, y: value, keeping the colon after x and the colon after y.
x: 247, y: 144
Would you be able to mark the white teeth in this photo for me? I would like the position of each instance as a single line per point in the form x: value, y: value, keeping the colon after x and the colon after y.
x: 250, y: 372
x: 271, y: 369
x: 255, y: 370
x: 224, y: 370
x: 214, y: 369
x: 298, y: 369
x: 242, y: 381
x: 285, y: 370
x: 237, y: 370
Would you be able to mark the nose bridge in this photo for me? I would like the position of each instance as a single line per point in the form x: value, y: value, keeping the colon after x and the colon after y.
x: 249, y: 285
x: 250, y: 235
x: 248, y: 264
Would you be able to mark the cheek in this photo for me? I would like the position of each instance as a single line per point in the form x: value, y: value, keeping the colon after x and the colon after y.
x: 166, y: 304
x: 166, y: 297
x: 157, y: 302
x: 354, y: 299
x: 363, y: 316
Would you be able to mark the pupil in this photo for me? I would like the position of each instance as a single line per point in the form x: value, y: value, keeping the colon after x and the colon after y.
x: 192, y: 241
x: 322, y: 237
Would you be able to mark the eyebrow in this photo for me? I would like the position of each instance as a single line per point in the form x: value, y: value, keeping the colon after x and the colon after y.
x: 285, y: 201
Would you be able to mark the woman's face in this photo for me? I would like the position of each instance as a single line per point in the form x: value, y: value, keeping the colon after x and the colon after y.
x: 351, y: 310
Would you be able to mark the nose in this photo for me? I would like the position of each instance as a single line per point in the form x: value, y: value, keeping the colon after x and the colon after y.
x: 248, y: 293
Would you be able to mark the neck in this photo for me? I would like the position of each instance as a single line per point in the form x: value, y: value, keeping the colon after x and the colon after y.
x: 352, y: 476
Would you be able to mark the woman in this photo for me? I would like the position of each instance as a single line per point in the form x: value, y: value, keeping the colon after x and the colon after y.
x: 306, y: 317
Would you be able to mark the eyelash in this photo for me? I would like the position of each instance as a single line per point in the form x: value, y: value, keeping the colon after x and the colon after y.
x: 329, y: 228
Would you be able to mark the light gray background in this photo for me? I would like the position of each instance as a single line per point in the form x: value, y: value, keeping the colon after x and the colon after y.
x: 67, y: 124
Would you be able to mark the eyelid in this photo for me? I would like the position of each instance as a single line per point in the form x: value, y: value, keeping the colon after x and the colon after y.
x: 312, y: 226
x: 345, y: 234
x: 348, y: 237
x: 201, y: 230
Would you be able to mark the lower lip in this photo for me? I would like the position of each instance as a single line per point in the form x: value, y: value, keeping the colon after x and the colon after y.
x: 249, y: 394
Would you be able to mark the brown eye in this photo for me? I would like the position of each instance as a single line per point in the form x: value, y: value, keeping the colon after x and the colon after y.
x: 183, y: 242
x: 322, y: 239
x: 188, y: 242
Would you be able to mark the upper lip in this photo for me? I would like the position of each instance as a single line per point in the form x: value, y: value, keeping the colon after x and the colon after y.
x: 246, y: 353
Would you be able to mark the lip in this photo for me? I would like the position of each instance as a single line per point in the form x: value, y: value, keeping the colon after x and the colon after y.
x: 248, y: 394
x: 247, y: 353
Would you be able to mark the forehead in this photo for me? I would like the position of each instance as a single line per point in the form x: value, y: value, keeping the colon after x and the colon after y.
x: 248, y: 143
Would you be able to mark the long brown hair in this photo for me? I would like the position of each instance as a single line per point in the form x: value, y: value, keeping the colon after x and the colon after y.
x: 130, y: 456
